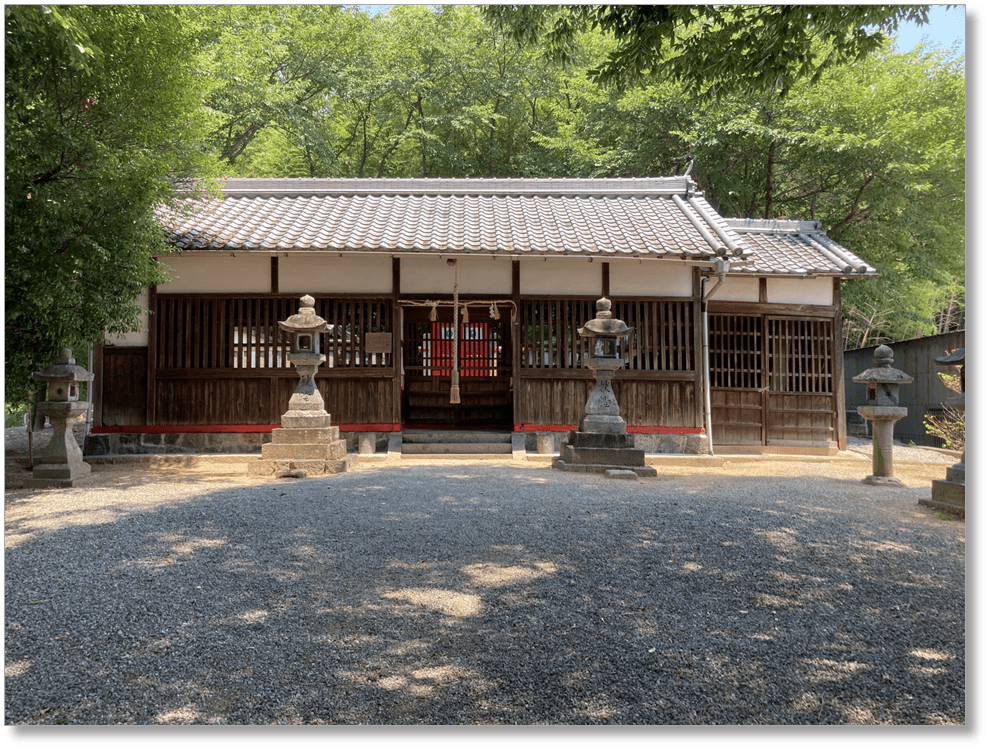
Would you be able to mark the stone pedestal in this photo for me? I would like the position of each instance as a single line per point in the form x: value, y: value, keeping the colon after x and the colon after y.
x: 600, y: 444
x: 883, y: 418
x: 948, y: 494
x: 61, y: 464
x: 306, y: 441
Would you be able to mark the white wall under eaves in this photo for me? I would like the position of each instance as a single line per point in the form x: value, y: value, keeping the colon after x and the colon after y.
x: 316, y: 274
x: 200, y: 273
x: 430, y: 274
x: 800, y: 291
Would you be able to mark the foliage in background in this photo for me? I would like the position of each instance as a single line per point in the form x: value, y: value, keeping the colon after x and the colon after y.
x: 101, y: 107
x: 949, y: 425
x: 104, y: 102
x: 710, y: 50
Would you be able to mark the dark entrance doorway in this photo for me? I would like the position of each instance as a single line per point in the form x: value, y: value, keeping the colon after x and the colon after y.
x: 485, y: 367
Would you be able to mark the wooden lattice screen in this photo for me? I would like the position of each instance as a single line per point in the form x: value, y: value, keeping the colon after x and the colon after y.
x: 800, y: 355
x: 662, y: 337
x: 735, y: 351
x: 241, y: 332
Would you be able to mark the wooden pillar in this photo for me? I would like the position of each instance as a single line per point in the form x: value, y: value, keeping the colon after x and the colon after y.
x: 151, y: 412
x: 97, y: 385
x: 396, y: 342
x: 700, y: 376
x: 274, y: 274
x: 517, y: 344
x: 840, y: 425
x: 605, y: 279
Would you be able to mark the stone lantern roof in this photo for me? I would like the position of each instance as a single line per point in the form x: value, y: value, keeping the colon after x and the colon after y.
x: 603, y: 323
x: 64, y: 369
x: 305, y: 320
x: 884, y: 372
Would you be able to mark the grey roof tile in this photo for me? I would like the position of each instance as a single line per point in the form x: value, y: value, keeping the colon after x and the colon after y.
x: 614, y: 217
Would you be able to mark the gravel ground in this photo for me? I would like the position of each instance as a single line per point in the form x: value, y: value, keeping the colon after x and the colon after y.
x: 763, y: 592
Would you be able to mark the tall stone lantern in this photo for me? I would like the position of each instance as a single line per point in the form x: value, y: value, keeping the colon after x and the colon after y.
x: 307, y: 443
x: 601, y: 443
x: 61, y: 462
x: 883, y: 409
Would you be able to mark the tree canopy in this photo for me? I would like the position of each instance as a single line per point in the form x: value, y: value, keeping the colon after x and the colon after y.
x: 106, y: 104
x: 711, y: 49
x: 101, y: 107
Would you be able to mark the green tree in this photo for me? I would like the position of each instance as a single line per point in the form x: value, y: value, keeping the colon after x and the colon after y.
x: 711, y: 49
x: 875, y: 151
x: 102, y: 107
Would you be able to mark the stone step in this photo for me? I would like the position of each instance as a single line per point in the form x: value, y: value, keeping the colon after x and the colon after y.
x: 456, y: 438
x: 457, y: 448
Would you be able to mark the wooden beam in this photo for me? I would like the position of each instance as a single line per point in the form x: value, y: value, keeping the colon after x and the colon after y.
x: 754, y: 308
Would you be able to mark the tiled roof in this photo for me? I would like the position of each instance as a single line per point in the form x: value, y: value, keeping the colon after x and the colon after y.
x: 658, y: 217
x: 795, y: 248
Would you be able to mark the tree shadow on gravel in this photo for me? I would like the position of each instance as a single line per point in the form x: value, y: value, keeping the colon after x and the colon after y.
x: 475, y: 595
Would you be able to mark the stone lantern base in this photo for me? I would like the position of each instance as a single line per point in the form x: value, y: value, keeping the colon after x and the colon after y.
x: 592, y: 452
x: 948, y: 494
x: 61, y: 465
x: 305, y: 442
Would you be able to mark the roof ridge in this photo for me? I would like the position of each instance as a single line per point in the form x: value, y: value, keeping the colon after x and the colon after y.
x: 311, y: 187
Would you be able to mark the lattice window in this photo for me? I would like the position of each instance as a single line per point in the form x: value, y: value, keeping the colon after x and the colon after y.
x: 242, y: 332
x: 800, y: 355
x: 662, y: 335
x: 735, y: 351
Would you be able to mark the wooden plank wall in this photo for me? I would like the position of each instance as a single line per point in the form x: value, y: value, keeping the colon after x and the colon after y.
x: 124, y: 385
x: 224, y: 360
x: 657, y: 387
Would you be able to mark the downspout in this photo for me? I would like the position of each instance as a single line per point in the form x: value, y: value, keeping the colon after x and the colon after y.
x: 721, y: 268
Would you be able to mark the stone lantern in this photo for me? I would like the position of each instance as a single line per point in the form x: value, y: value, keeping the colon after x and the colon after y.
x: 948, y: 494
x: 61, y: 463
x: 883, y: 410
x: 305, y: 327
x: 307, y: 443
x: 601, y: 443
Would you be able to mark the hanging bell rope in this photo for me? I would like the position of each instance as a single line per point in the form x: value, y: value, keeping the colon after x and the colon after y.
x: 455, y: 375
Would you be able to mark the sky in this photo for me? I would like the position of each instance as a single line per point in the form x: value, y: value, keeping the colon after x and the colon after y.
x: 945, y: 26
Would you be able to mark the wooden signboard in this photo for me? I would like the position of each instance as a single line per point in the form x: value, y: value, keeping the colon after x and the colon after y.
x: 377, y: 343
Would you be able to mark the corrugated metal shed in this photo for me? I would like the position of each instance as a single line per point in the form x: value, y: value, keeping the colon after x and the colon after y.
x: 925, y: 393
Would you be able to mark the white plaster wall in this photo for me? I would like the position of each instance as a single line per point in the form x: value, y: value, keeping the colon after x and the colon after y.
x: 555, y: 276
x: 481, y: 275
x: 204, y: 274
x: 137, y: 338
x: 649, y: 278
x: 316, y: 274
x: 800, y: 291
x: 736, y: 290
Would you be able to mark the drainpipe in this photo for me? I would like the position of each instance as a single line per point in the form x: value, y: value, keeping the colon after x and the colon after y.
x: 721, y: 268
